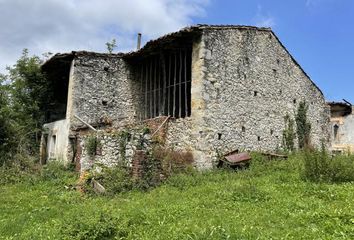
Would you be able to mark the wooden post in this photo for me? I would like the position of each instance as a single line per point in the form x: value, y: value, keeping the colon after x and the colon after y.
x: 146, y: 93
x: 155, y: 89
x: 169, y: 85
x: 174, y: 86
x: 151, y: 90
x: 142, y: 92
x: 86, y: 123
x: 180, y: 84
x: 185, y: 84
x: 163, y: 66
x: 158, y: 87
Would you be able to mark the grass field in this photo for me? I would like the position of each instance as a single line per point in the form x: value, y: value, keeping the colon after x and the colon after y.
x: 268, y: 201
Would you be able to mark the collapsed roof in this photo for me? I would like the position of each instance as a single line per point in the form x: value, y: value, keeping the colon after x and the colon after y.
x: 184, y: 36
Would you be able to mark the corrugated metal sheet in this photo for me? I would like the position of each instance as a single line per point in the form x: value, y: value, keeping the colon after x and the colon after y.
x: 238, y: 157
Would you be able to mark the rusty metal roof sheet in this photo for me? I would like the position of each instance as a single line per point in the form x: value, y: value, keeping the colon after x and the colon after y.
x: 238, y: 157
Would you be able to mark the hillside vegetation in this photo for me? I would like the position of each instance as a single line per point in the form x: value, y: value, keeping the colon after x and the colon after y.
x: 271, y: 200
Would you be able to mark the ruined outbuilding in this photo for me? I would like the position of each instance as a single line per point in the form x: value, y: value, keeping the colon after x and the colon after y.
x: 342, y: 127
x: 224, y: 88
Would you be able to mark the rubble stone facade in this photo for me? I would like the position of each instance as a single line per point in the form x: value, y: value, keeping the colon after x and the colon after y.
x: 243, y: 84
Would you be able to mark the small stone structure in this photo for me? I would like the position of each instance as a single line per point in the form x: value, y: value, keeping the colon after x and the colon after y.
x: 224, y: 88
x: 342, y: 125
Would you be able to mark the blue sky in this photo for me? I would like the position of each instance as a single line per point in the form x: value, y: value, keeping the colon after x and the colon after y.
x: 318, y: 33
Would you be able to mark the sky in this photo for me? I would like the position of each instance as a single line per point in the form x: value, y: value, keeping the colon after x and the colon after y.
x: 318, y: 33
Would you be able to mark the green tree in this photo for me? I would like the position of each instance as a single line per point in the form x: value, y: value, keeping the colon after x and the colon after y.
x: 111, y: 45
x: 24, y: 91
x: 7, y: 140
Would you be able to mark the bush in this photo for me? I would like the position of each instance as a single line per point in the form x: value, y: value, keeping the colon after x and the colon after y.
x: 320, y: 167
x: 115, y: 179
x: 21, y: 168
x: 97, y: 226
x: 57, y: 171
x: 173, y: 161
x: 92, y: 143
x: 150, y: 174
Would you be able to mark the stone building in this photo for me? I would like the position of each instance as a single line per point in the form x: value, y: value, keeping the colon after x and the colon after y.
x: 342, y: 127
x: 225, y: 88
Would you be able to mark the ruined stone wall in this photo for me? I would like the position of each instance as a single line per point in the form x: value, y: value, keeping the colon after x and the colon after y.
x: 103, y: 92
x: 120, y: 144
x: 113, y: 147
x: 251, y: 83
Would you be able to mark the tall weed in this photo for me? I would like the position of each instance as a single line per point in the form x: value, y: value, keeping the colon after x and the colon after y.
x: 319, y: 166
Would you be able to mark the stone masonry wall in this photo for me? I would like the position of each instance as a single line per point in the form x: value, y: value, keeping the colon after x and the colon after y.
x: 114, y: 147
x: 243, y: 85
x: 120, y: 144
x: 251, y: 83
x: 103, y: 91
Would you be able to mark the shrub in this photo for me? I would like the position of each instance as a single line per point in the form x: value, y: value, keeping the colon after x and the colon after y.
x: 320, y: 167
x: 92, y: 143
x: 289, y: 134
x: 96, y: 226
x: 115, y: 179
x: 57, y: 171
x: 303, y: 129
x: 150, y: 174
x: 21, y: 168
x: 173, y: 161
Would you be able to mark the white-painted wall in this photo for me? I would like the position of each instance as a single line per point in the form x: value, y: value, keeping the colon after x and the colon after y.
x: 57, y: 140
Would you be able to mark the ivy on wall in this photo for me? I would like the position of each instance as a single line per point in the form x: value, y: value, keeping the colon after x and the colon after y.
x: 303, y: 129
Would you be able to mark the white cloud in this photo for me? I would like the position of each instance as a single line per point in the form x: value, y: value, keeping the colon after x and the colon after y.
x: 65, y: 25
x: 266, y: 22
x: 263, y: 19
x: 315, y: 3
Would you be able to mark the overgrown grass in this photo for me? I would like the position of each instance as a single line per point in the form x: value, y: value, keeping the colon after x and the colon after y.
x: 268, y: 201
x: 319, y: 166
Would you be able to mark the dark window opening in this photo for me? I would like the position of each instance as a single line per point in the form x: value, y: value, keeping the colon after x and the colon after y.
x: 271, y: 132
x: 259, y: 138
x: 243, y: 129
x: 219, y: 136
x: 294, y: 101
x: 104, y: 102
x: 255, y: 93
x: 335, y: 131
x: 53, y: 145
x: 165, y: 83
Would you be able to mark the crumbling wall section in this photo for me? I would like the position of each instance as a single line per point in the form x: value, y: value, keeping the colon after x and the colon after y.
x: 103, y: 92
x: 117, y: 145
